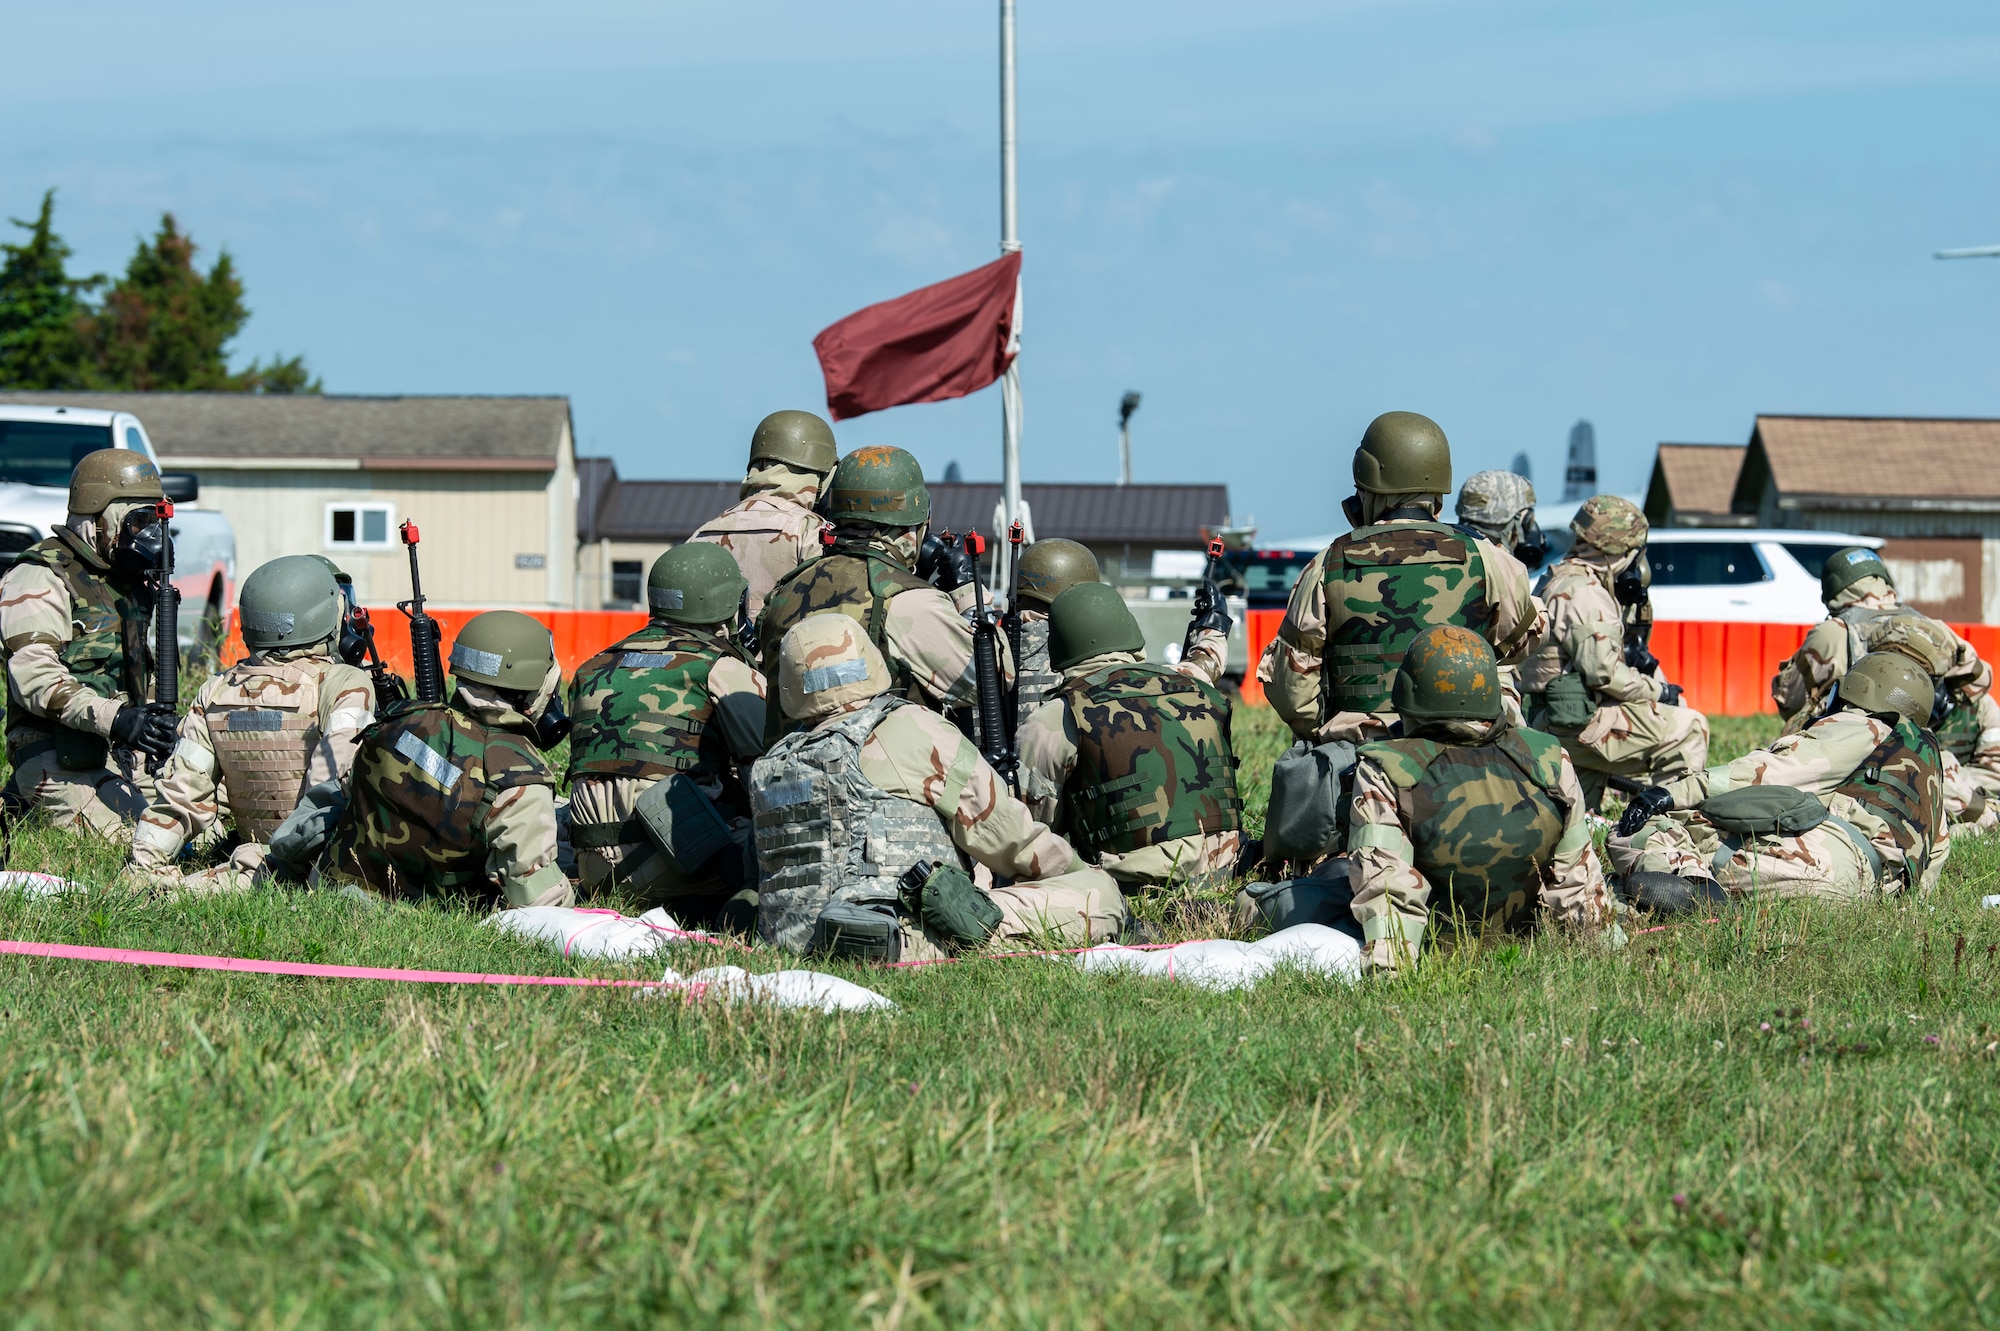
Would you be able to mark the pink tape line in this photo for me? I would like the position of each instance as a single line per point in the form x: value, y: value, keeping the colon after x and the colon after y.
x: 191, y: 962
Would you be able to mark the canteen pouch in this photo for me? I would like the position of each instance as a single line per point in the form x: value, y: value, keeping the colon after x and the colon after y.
x: 854, y: 932
x: 682, y: 821
x: 945, y: 898
x: 1764, y: 811
x: 79, y: 750
x: 1568, y: 701
x: 1306, y: 819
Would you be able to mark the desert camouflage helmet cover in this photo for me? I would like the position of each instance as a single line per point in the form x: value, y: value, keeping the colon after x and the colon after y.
x: 504, y: 648
x: 1610, y: 523
x: 1494, y: 498
x: 1889, y: 682
x: 795, y: 437
x: 289, y: 602
x: 1844, y: 568
x: 1050, y: 568
x: 1449, y: 674
x: 826, y: 662
x: 695, y: 583
x: 881, y: 485
x: 109, y: 475
x: 1403, y: 453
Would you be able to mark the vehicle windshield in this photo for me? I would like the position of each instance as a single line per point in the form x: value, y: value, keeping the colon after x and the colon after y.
x: 1812, y: 557
x: 1268, y: 575
x: 46, y: 452
x: 1704, y: 563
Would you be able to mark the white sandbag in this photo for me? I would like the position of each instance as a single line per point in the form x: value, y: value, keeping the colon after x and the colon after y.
x: 1989, y: 903
x: 797, y: 989
x: 593, y: 934
x: 36, y: 884
x: 1222, y: 964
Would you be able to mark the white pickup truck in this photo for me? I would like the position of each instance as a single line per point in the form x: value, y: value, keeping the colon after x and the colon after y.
x: 40, y: 446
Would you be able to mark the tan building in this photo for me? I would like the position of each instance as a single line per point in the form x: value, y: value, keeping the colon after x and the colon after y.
x: 489, y: 481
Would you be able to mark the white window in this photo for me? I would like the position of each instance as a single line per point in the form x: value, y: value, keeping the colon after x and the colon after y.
x: 351, y: 526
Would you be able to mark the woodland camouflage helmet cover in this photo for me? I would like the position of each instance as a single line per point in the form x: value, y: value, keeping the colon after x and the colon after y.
x: 1883, y: 682
x: 1050, y: 568
x: 290, y: 602
x: 1610, y: 523
x: 696, y: 583
x: 1449, y: 674
x: 1844, y: 568
x: 795, y: 437
x: 504, y: 648
x: 1089, y: 620
x: 826, y: 662
x: 1403, y: 453
x: 109, y: 475
x: 881, y: 485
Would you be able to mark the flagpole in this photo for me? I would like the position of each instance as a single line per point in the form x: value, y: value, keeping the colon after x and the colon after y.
x: 1012, y: 509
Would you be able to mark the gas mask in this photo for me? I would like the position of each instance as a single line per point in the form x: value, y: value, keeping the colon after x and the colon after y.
x: 1531, y: 547
x: 1350, y: 508
x: 552, y: 727
x: 1630, y: 583
x: 141, y: 543
x: 353, y: 646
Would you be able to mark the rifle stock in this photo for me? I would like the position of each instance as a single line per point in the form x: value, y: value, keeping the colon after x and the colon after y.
x: 996, y: 741
x: 426, y: 664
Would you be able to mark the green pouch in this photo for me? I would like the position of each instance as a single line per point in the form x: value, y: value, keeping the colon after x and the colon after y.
x: 683, y: 821
x: 1568, y: 701
x: 1305, y: 819
x: 950, y: 904
x: 854, y: 932
x: 1764, y: 811
x: 80, y: 751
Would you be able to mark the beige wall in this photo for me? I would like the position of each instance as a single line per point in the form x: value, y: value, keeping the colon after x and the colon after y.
x: 593, y: 567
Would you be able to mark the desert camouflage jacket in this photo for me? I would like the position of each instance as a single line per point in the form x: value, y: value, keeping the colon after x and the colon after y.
x: 1585, y: 633
x: 76, y: 646
x: 771, y: 529
x: 1865, y: 614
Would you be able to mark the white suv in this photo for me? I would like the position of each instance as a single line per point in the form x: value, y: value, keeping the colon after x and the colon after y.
x: 1742, y: 574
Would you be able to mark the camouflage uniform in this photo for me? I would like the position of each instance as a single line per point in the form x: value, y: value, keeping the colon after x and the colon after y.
x: 1500, y: 506
x: 644, y: 709
x: 1882, y: 783
x: 771, y: 530
x: 452, y: 799
x: 77, y: 649
x: 878, y: 784
x: 1477, y: 820
x: 266, y: 730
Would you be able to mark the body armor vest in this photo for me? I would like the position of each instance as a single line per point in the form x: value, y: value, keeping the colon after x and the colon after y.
x: 1385, y: 584
x: 263, y: 724
x: 1960, y: 730
x: 1902, y: 782
x: 424, y: 780
x: 108, y: 652
x: 1926, y: 641
x: 1153, y: 760
x: 1037, y: 679
x: 826, y: 833
x: 641, y: 707
x: 1484, y: 819
x: 852, y: 580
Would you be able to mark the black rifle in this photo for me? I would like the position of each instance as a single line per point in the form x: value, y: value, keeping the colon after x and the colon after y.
x: 424, y: 633
x: 389, y: 686
x: 996, y: 742
x: 166, y: 630
x: 1208, y: 595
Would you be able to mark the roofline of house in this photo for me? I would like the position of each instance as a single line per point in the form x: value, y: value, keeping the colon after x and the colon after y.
x: 191, y: 462
x: 1933, y: 420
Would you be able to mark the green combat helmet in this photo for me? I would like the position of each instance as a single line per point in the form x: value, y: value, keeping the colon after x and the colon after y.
x: 1883, y: 682
x: 289, y: 602
x: 109, y: 475
x: 1611, y: 524
x: 1050, y: 568
x: 881, y: 485
x: 797, y: 438
x: 695, y: 583
x: 504, y: 648
x: 1403, y: 453
x: 1449, y: 674
x: 1844, y: 568
x: 1089, y: 620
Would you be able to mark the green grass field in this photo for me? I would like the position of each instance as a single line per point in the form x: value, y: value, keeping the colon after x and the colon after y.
x: 1788, y: 1117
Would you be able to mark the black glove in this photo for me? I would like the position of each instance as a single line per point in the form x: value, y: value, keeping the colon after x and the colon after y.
x: 1648, y: 804
x: 1206, y: 617
x: 1670, y: 694
x: 1641, y: 660
x: 148, y: 727
x: 955, y: 567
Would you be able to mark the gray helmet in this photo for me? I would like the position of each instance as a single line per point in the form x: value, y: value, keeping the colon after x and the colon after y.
x: 1088, y: 620
x: 108, y: 475
x: 290, y: 602
x: 1449, y: 674
x: 695, y: 583
x: 1844, y: 568
x: 1883, y: 682
x: 798, y: 438
x: 504, y: 648
x: 879, y: 484
x: 1050, y: 568
x: 1403, y: 453
x: 1492, y: 499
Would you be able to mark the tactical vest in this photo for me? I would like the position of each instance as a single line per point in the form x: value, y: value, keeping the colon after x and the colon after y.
x: 263, y: 724
x: 424, y: 781
x: 1153, y: 760
x: 1959, y: 733
x: 1927, y: 641
x: 108, y: 652
x: 1384, y: 585
x: 1037, y: 679
x: 1902, y: 782
x: 826, y: 833
x: 1484, y: 819
x: 641, y: 707
x: 852, y: 580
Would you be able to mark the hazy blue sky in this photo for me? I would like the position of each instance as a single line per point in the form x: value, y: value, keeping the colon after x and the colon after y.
x: 1274, y: 218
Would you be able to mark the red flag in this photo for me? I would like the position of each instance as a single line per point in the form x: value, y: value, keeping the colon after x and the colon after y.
x: 937, y: 342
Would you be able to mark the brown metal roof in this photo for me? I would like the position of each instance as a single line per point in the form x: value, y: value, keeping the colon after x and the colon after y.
x: 421, y: 433
x: 1871, y: 458
x: 1699, y: 478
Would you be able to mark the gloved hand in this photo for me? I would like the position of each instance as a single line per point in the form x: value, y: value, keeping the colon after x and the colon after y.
x: 1670, y: 694
x: 1204, y: 618
x: 955, y: 566
x: 148, y: 727
x: 1647, y: 805
x: 1641, y: 660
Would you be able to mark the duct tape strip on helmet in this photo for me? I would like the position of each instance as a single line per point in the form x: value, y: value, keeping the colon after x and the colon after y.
x: 474, y: 660
x: 274, y: 623
x: 821, y: 678
x: 666, y: 598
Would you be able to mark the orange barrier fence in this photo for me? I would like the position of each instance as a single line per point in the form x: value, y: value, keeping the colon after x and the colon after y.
x: 579, y: 634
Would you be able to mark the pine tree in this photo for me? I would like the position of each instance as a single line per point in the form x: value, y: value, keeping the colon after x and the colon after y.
x: 40, y: 307
x: 165, y: 326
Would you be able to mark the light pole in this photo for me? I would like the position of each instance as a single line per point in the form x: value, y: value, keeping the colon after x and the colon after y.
x: 1126, y: 406
x: 1012, y: 509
